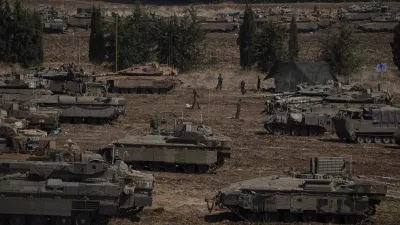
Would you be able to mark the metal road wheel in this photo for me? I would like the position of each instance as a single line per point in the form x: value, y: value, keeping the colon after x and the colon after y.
x: 350, y: 219
x: 253, y: 217
x: 290, y: 217
x: 91, y: 121
x: 386, y: 140
x: 368, y: 139
x: 77, y: 120
x: 37, y: 220
x: 271, y: 217
x: 277, y: 131
x: 393, y: 140
x: 154, y: 166
x: 377, y: 139
x: 170, y: 167
x: 202, y: 168
x: 61, y: 220
x: 304, y: 132
x: 360, y: 139
x: 82, y: 219
x: 189, y: 168
x: 17, y: 220
x: 286, y: 131
x: 312, y: 132
x: 335, y: 219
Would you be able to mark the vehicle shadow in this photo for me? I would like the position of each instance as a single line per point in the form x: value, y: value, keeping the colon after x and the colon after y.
x: 223, y: 216
x: 262, y: 133
x: 334, y: 140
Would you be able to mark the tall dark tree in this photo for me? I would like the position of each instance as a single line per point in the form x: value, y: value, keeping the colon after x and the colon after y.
x: 293, y: 40
x: 270, y: 45
x: 247, y: 39
x: 396, y: 46
x: 97, y: 40
x: 339, y: 50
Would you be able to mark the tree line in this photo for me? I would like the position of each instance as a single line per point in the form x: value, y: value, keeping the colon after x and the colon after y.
x: 144, y: 37
x: 21, y: 37
x: 188, y: 2
x: 263, y: 46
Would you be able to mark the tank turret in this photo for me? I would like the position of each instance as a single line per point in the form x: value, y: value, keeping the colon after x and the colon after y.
x: 327, y: 193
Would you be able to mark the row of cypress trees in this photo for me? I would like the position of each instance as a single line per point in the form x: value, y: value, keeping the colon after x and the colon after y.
x: 144, y: 37
x: 21, y: 37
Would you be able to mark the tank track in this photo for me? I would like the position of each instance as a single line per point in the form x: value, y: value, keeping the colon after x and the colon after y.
x: 371, y: 138
x: 81, y: 120
x: 283, y: 129
x: 176, y: 167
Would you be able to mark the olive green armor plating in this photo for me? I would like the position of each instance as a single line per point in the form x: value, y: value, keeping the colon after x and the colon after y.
x: 324, y: 195
x: 76, y: 192
x: 190, y: 148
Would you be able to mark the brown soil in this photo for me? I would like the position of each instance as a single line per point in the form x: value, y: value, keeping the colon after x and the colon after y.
x: 255, y: 153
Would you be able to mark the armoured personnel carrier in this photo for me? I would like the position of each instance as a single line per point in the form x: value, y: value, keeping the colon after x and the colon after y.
x: 63, y: 192
x: 189, y: 148
x: 367, y: 125
x: 325, y: 194
x: 142, y: 79
x: 84, y: 109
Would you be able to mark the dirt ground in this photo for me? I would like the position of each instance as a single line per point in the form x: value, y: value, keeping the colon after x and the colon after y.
x: 179, y: 198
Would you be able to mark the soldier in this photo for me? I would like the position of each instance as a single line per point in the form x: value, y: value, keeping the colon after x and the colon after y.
x: 258, y: 83
x: 267, y: 108
x: 238, y: 106
x: 242, y: 87
x: 195, y: 96
x: 72, y: 154
x: 219, y: 85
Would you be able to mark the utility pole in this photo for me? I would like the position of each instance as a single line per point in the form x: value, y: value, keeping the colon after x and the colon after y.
x: 116, y: 43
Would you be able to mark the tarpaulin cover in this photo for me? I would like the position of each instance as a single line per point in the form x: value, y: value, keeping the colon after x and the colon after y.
x: 386, y: 115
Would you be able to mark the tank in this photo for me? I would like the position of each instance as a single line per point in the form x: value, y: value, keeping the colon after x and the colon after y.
x: 77, y: 192
x: 142, y: 79
x: 325, y: 194
x: 38, y: 118
x: 367, y: 125
x: 68, y: 80
x: 322, y: 90
x: 84, y: 109
x: 360, y: 97
x: 191, y: 149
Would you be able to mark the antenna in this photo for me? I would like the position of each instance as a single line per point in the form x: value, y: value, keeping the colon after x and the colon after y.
x: 116, y: 42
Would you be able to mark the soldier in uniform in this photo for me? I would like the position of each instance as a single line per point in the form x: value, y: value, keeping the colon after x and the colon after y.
x: 238, y: 107
x: 195, y: 96
x: 242, y: 87
x: 258, y: 83
x: 72, y: 154
x: 219, y: 85
x: 267, y: 108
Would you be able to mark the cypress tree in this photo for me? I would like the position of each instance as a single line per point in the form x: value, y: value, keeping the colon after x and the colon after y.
x: 293, y: 40
x: 97, y: 40
x: 395, y: 44
x: 247, y: 39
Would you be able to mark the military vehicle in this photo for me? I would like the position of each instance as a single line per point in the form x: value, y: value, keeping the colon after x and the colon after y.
x: 367, y: 125
x: 53, y: 19
x: 80, y: 20
x: 142, y: 79
x: 46, y: 119
x: 63, y: 192
x: 325, y: 194
x: 84, y: 109
x: 219, y: 26
x: 68, y: 80
x: 396, y: 136
x: 189, y: 148
x: 360, y: 97
x: 377, y: 27
x: 321, y: 90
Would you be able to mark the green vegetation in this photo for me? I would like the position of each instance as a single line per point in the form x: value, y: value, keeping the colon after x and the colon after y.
x: 396, y: 46
x: 339, y: 50
x: 145, y: 37
x: 97, y: 40
x: 21, y: 38
x: 247, y: 39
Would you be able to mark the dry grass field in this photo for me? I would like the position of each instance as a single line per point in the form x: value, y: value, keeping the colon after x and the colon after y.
x: 179, y: 198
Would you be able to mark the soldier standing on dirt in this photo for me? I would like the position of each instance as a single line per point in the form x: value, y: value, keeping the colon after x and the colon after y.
x: 267, y: 108
x: 242, y: 87
x: 219, y: 85
x: 258, y: 83
x: 238, y: 106
x: 195, y: 96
